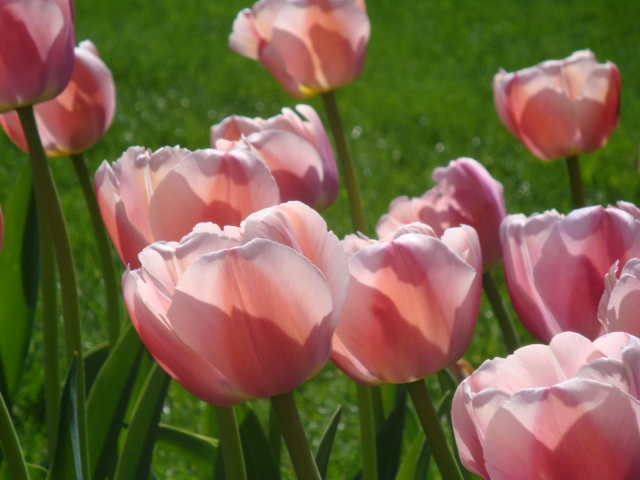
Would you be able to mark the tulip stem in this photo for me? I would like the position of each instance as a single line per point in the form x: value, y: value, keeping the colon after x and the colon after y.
x: 230, y: 443
x: 346, y: 162
x: 577, y: 192
x: 294, y: 437
x: 428, y: 417
x: 367, y: 433
x: 11, y: 445
x: 509, y: 335
x: 47, y: 201
x: 106, y: 261
x: 50, y: 332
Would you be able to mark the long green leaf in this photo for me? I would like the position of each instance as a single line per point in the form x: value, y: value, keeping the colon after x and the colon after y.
x: 19, y: 279
x: 196, y: 448
x: 108, y: 400
x: 324, y: 449
x: 416, y: 461
x: 135, y: 458
x: 66, y: 464
x: 258, y: 456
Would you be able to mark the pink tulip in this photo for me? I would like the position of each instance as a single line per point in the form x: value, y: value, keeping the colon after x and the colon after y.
x: 36, y: 52
x: 77, y: 118
x: 560, y: 108
x: 309, y: 46
x: 412, y: 304
x: 465, y: 194
x: 297, y: 152
x: 619, y: 309
x: 554, y: 266
x: 567, y: 411
x: 237, y: 314
x: 145, y: 197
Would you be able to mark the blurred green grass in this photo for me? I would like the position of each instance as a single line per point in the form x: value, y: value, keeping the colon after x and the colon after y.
x: 424, y: 98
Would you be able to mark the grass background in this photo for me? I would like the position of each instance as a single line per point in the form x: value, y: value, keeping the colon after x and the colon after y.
x: 424, y: 98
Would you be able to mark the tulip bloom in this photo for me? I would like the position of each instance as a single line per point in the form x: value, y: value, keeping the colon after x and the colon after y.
x: 236, y: 314
x: 309, y: 46
x: 36, y: 52
x: 297, y: 152
x: 465, y: 193
x: 145, y: 197
x: 77, y: 118
x: 554, y: 266
x: 566, y: 411
x: 560, y: 108
x: 412, y: 304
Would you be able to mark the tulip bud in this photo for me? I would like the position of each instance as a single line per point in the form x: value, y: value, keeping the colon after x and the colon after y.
x: 560, y: 108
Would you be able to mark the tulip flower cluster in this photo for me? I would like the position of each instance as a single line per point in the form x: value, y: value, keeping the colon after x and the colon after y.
x: 239, y: 290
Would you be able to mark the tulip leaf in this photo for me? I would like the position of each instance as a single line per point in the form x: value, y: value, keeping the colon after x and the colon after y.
x: 258, y: 455
x: 66, y: 461
x: 19, y: 273
x: 108, y: 400
x: 196, y: 448
x: 93, y: 361
x: 36, y: 472
x: 324, y: 449
x: 389, y: 438
x: 416, y: 462
x: 135, y: 458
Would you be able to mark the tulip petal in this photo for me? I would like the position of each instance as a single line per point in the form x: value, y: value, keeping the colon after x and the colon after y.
x: 265, y: 331
x: 579, y: 429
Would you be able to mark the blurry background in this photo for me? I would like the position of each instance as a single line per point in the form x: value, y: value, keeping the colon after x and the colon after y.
x: 424, y: 98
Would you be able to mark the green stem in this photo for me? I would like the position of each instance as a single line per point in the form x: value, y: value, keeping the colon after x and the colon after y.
x: 509, y: 335
x: 577, y: 192
x: 346, y: 162
x: 428, y: 417
x: 367, y: 433
x: 112, y: 290
x: 294, y: 437
x: 230, y: 444
x: 50, y: 332
x: 11, y: 445
x: 48, y: 201
x: 275, y: 434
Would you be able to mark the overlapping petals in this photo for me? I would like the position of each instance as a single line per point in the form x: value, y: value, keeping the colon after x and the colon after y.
x: 309, y: 46
x: 412, y: 304
x: 565, y: 411
x: 36, y: 52
x: 297, y: 152
x: 219, y: 315
x: 76, y: 119
x: 619, y: 309
x: 465, y: 193
x: 148, y: 196
x: 560, y: 108
x: 554, y: 266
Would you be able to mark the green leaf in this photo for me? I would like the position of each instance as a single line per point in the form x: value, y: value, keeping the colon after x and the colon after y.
x: 135, y: 458
x: 19, y: 273
x: 93, y: 361
x: 258, y: 456
x: 108, y: 400
x: 36, y: 472
x: 196, y: 448
x: 66, y: 464
x: 324, y: 449
x: 416, y: 462
x: 389, y: 438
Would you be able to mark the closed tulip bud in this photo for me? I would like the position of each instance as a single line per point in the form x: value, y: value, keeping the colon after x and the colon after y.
x: 566, y: 411
x: 76, y: 119
x: 560, y: 108
x: 297, y: 152
x: 412, y: 304
x: 309, y: 46
x: 149, y: 196
x: 554, y: 266
x: 36, y: 52
x: 465, y: 193
x: 219, y: 316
